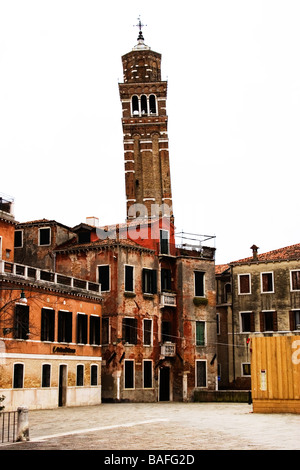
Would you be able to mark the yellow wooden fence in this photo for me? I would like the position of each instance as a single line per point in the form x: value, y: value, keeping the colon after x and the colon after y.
x: 275, y: 374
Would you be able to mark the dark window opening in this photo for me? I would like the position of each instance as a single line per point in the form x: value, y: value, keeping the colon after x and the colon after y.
x: 247, y: 321
x: 165, y: 277
x: 21, y: 322
x: 129, y: 327
x: 94, y: 330
x: 149, y: 281
x: 105, y: 330
x: 135, y: 105
x: 103, y: 277
x: 18, y: 239
x: 144, y: 104
x: 47, y: 326
x: 267, y: 282
x: 94, y: 375
x: 166, y: 330
x: 268, y: 321
x: 84, y: 237
x: 164, y: 242
x: 129, y: 374
x: 295, y: 280
x: 44, y: 236
x: 199, y: 283
x: 147, y: 374
x: 244, y: 280
x: 129, y: 278
x: 152, y: 104
x: 18, y: 375
x: 64, y: 327
x: 81, y: 328
x: 80, y: 375
x: 46, y: 372
x: 147, y: 332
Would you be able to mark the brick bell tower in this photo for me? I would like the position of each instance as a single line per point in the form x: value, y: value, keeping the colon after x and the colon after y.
x: 146, y: 146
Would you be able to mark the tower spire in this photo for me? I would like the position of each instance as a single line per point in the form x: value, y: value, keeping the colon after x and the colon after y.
x: 140, y: 25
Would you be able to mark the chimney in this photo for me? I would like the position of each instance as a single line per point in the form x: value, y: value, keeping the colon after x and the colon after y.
x: 94, y: 221
x: 254, y: 249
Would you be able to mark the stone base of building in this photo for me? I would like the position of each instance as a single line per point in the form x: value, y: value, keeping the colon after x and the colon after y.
x: 234, y: 396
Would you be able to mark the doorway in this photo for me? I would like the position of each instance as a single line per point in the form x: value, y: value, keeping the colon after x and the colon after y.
x: 164, y: 384
x: 62, y: 385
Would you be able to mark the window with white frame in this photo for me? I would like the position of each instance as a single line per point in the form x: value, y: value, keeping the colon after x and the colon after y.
x: 200, y: 333
x: 199, y: 278
x: 18, y: 377
x: 147, y: 373
x: 18, y: 243
x: 129, y: 278
x: 147, y: 332
x: 44, y: 236
x: 295, y: 279
x: 104, y: 277
x: 267, y: 282
x: 94, y: 374
x: 244, y: 283
x: 247, y: 322
x: 46, y: 375
x: 201, y: 373
x: 246, y: 369
x: 80, y: 375
x: 128, y: 373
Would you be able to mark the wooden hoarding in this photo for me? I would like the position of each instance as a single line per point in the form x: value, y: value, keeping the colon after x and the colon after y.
x: 275, y: 374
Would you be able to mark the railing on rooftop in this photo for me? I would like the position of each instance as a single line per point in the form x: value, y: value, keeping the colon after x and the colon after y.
x: 203, y: 245
x: 36, y: 274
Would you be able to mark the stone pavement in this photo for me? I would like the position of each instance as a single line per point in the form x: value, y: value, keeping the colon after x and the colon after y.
x: 160, y: 426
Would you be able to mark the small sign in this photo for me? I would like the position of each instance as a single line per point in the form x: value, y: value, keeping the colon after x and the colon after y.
x: 63, y: 350
x: 263, y: 380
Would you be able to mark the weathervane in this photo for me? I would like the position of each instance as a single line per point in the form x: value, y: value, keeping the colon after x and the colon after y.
x: 140, y: 26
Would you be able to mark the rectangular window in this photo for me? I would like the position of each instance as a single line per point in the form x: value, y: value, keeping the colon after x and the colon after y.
x: 166, y: 330
x: 18, y: 381
x: 105, y: 330
x: 201, y: 373
x: 129, y: 326
x: 80, y: 375
x: 64, y: 327
x: 267, y: 282
x: 268, y: 321
x: 295, y: 280
x: 164, y: 242
x: 129, y: 278
x: 165, y: 279
x: 82, y: 323
x: 94, y: 374
x: 244, y: 283
x: 147, y: 332
x: 199, y: 283
x: 128, y: 373
x: 200, y: 333
x: 246, y: 369
x: 218, y: 323
x: 104, y: 277
x: 44, y: 236
x: 295, y: 319
x: 147, y: 374
x: 18, y: 239
x: 46, y: 374
x: 21, y: 321
x: 47, y: 324
x: 94, y: 329
x: 149, y: 281
x: 247, y: 322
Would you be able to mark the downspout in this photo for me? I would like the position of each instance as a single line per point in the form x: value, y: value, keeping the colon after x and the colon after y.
x: 232, y: 319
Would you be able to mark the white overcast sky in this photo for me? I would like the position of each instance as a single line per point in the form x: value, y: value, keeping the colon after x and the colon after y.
x: 233, y: 74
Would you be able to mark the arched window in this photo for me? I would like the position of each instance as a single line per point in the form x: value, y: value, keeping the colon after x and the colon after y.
x: 144, y: 104
x: 152, y: 104
x: 135, y: 105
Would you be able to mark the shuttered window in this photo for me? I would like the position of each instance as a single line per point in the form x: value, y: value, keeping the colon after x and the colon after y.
x: 200, y: 333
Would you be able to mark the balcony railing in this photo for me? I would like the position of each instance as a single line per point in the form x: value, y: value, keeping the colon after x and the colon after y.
x: 35, y: 274
x: 167, y: 299
x: 168, y: 349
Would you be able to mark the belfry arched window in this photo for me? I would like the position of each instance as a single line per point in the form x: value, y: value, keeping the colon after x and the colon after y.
x: 152, y: 104
x: 135, y: 105
x: 144, y: 107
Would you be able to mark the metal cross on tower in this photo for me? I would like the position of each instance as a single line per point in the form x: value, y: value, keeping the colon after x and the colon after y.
x: 140, y: 26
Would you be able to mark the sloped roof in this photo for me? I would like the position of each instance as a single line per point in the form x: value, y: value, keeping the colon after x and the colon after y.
x: 221, y: 268
x: 286, y: 253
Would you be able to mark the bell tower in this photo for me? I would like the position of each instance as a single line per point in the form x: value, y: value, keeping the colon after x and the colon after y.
x: 145, y: 135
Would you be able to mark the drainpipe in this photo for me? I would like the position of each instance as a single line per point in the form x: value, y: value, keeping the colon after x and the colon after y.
x: 232, y: 319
